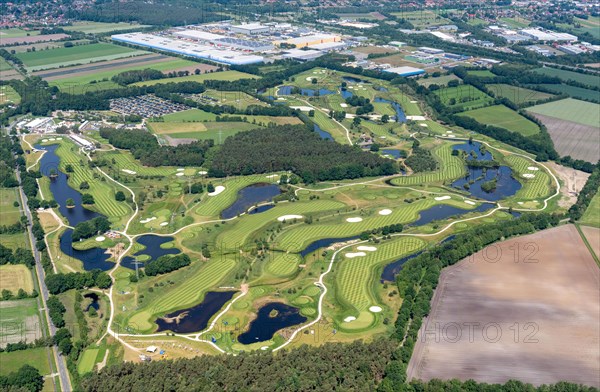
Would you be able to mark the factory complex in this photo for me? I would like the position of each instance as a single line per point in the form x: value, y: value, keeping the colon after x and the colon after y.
x: 237, y: 44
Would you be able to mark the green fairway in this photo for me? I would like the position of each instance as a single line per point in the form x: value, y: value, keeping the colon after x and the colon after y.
x: 451, y: 168
x: 88, y: 360
x: 533, y: 188
x: 79, y: 54
x: 464, y: 96
x: 517, y: 95
x: 225, y: 75
x: 591, y: 217
x: 126, y: 163
x: 282, y: 265
x: 13, y: 361
x: 516, y: 22
x: 569, y: 109
x: 503, y: 117
x: 9, y: 214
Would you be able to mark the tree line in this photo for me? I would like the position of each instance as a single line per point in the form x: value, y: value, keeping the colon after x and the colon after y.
x: 165, y: 264
x: 297, y: 149
x: 59, y: 283
x: 90, y: 228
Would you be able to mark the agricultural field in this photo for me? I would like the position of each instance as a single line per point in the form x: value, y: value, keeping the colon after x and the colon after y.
x: 36, y: 357
x: 463, y: 96
x: 590, y: 80
x: 503, y: 117
x: 15, y: 277
x: 78, y: 54
x: 88, y: 27
x: 422, y: 19
x: 591, y: 217
x: 517, y: 95
x: 573, y: 91
x: 516, y: 22
x: 440, y: 81
x: 7, y: 72
x: 225, y: 75
x: 9, y: 213
x: 17, y: 33
x: 529, y: 340
x: 20, y: 321
x: 573, y: 127
x: 217, y: 131
x: 481, y: 73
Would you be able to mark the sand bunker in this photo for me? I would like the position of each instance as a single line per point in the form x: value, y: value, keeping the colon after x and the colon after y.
x: 179, y: 174
x: 264, y: 348
x: 424, y: 125
x: 451, y: 135
x: 440, y: 198
x: 349, y: 319
x: 528, y: 175
x: 203, y: 172
x: 449, y: 132
x: 375, y: 309
x: 385, y: 212
x: 416, y: 118
x: 218, y: 189
x: 144, y: 221
x: 273, y: 176
x: 44, y: 140
x: 354, y: 220
x: 288, y: 217
x: 128, y: 171
x: 52, y: 139
x: 532, y: 168
x: 164, y: 223
x: 344, y: 105
x: 367, y: 248
x: 59, y: 138
x: 180, y: 169
x: 352, y: 255
x: 100, y: 238
x: 413, y: 101
x: 309, y: 79
x: 470, y: 202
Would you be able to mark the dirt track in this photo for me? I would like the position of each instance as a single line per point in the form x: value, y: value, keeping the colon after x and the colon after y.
x: 532, y: 315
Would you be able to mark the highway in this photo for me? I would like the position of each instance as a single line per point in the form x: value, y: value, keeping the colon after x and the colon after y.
x: 60, y: 361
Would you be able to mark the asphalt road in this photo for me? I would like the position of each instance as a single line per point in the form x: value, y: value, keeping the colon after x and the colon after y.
x: 60, y: 361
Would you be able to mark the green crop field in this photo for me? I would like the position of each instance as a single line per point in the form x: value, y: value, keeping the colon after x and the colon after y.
x: 575, y: 92
x: 8, y: 95
x: 4, y: 65
x: 79, y: 54
x: 9, y: 214
x: 281, y: 264
x: 188, y: 293
x: 591, y: 217
x: 569, y: 109
x: 423, y: 18
x: 356, y: 276
x: 587, y: 79
x: 100, y: 27
x: 17, y: 33
x: 464, y: 96
x: 20, y: 320
x: 225, y: 75
x: 15, y: 277
x: 13, y: 361
x: 451, y: 168
x: 190, y: 115
x: 103, y: 191
x: 516, y: 23
x: 503, y: 117
x: 533, y: 188
x: 440, y: 81
x: 217, y: 131
x: 517, y: 95
x: 481, y: 73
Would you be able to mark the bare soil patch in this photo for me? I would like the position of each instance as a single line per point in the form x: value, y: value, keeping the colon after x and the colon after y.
x: 531, y: 315
x: 570, y: 138
x: 573, y: 182
x: 592, y: 234
x: 173, y: 141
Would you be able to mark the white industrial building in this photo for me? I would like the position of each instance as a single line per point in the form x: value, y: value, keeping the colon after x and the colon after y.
x: 187, y: 48
x: 83, y: 142
x: 41, y: 125
x: 541, y: 35
x: 250, y: 29
x: 302, y: 55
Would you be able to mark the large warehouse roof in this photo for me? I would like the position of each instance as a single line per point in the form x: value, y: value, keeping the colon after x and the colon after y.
x: 405, y: 71
x: 199, y: 35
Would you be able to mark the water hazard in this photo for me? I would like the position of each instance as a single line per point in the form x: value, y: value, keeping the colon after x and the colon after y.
x: 271, y: 318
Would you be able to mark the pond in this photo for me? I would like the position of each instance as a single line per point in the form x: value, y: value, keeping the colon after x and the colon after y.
x: 345, y: 93
x: 397, y: 154
x: 250, y: 196
x: 259, y: 209
x: 324, y: 243
x: 271, y: 318
x: 287, y: 90
x: 95, y: 303
x: 400, y: 116
x: 196, y: 318
x: 152, y: 248
x: 95, y: 258
x: 352, y: 79
x: 444, y: 211
x: 324, y: 134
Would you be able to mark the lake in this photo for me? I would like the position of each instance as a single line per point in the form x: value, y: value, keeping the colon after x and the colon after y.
x: 250, y: 196
x: 264, y: 326
x: 324, y: 134
x: 400, y: 116
x: 152, y: 248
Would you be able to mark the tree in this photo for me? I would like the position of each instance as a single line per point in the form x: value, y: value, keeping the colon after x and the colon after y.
x: 87, y: 199
x: 314, y: 81
x: 70, y: 203
x: 385, y: 118
x: 69, y: 168
x: 84, y: 185
x: 119, y: 196
x: 356, y: 121
x: 210, y: 188
x: 65, y: 346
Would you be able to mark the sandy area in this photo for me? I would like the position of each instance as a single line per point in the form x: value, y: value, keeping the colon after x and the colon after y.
x: 532, y: 315
x: 218, y: 189
x: 128, y: 171
x: 440, y: 198
x: 385, y: 212
x: 572, y: 182
x: 349, y: 319
x: 470, y: 202
x: 288, y: 217
x: 354, y: 220
x: 367, y: 248
x: 528, y: 175
x: 375, y: 309
x: 144, y: 221
x: 352, y: 255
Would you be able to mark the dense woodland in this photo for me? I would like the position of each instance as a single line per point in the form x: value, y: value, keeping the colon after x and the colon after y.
x: 59, y: 283
x: 145, y: 147
x: 90, y: 228
x: 298, y: 149
x: 165, y: 264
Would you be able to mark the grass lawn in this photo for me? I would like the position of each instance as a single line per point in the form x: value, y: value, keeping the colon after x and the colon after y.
x: 4, y: 65
x: 569, y: 109
x: 517, y: 95
x: 100, y: 27
x: 481, y: 73
x: 79, y: 54
x: 13, y: 361
x: 192, y: 115
x: 8, y: 95
x: 20, y: 320
x: 591, y: 217
x: 516, y: 23
x: 236, y: 99
x: 590, y: 80
x: 87, y: 360
x: 503, y: 117
x: 15, y: 277
x: 225, y: 75
x: 9, y: 214
x: 14, y: 241
x: 218, y: 131
x: 451, y: 167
